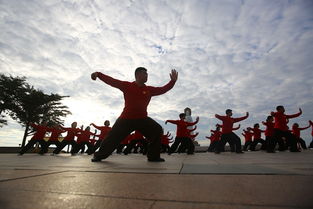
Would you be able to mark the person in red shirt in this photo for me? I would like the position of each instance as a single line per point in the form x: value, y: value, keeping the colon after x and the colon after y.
x: 281, y: 128
x: 269, y: 135
x: 214, y: 138
x: 248, y: 138
x: 311, y: 144
x: 296, y: 130
x: 56, y: 131
x: 83, y: 138
x: 182, y: 133
x: 230, y: 142
x: 137, y: 138
x: 227, y: 131
x: 104, y: 130
x: 134, y: 116
x: 184, y: 144
x: 165, y: 142
x: 69, y: 139
x: 257, y: 137
x: 40, y: 133
x: 124, y: 143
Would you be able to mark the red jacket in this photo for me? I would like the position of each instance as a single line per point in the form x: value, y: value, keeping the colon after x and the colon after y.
x: 136, y: 98
x: 104, y: 130
x: 256, y: 133
x: 281, y: 120
x: 228, y: 122
x: 296, y: 130
x: 71, y: 133
x: 269, y: 131
x: 182, y: 125
x: 40, y: 131
x: 55, y: 133
x: 248, y: 136
x: 216, y: 135
x: 84, y: 136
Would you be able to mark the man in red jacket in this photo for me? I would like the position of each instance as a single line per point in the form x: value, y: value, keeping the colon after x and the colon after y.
x: 281, y: 128
x: 227, y: 131
x: 134, y: 116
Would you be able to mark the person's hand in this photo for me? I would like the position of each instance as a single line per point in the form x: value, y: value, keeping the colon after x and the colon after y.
x: 300, y: 110
x: 165, y: 122
x: 174, y: 75
x: 94, y: 75
x: 247, y: 114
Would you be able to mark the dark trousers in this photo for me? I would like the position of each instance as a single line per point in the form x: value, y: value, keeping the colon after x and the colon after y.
x: 63, y: 144
x: 186, y: 144
x: 123, y: 127
x: 97, y: 145
x: 270, y: 143
x: 311, y: 144
x: 302, y: 143
x: 81, y: 146
x: 231, y: 138
x: 31, y: 144
x: 255, y: 142
x: 165, y: 148
x: 120, y: 148
x: 248, y: 143
x: 212, y: 146
x: 290, y: 140
x: 44, y: 149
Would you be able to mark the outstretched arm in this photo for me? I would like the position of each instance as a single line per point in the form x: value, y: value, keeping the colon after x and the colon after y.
x: 236, y: 128
x: 108, y: 80
x: 305, y: 127
x: 155, y: 91
x: 295, y: 115
x: 241, y: 118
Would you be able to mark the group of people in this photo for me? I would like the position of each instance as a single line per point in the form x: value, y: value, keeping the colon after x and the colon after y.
x: 150, y: 136
x: 276, y: 132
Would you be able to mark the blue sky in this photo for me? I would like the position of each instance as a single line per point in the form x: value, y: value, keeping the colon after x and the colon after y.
x: 244, y: 55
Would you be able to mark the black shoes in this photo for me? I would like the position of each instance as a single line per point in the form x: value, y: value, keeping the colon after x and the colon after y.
x: 96, y: 159
x: 156, y: 159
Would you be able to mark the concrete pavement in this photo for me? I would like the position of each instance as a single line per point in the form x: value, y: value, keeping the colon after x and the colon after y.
x: 204, y: 180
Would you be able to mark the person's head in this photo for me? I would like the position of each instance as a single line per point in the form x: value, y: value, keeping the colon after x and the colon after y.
x: 74, y: 125
x: 107, y: 123
x: 280, y: 108
x: 256, y: 125
x: 229, y: 112
x: 249, y: 129
x: 269, y: 118
x: 182, y: 116
x: 187, y: 111
x: 141, y: 75
x: 296, y: 125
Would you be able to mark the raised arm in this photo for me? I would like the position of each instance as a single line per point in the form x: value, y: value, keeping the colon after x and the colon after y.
x: 305, y: 127
x: 295, y: 115
x: 108, y: 80
x: 194, y: 123
x: 236, y: 128
x: 241, y: 118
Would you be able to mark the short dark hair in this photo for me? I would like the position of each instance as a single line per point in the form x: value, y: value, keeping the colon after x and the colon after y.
x: 228, y: 110
x: 269, y: 117
x: 140, y: 69
x: 181, y: 115
x: 279, y: 107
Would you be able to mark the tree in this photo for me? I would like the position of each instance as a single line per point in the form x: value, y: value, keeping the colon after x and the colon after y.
x: 11, y: 88
x: 37, y: 107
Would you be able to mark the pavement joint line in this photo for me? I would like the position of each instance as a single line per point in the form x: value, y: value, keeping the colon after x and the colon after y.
x: 31, y: 176
x: 164, y: 200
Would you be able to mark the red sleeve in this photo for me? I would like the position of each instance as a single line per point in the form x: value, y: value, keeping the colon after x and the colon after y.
x: 191, y: 124
x: 220, y: 117
x: 234, y: 129
x: 305, y: 127
x: 155, y: 91
x: 294, y: 115
x: 173, y: 121
x: 111, y: 81
x: 240, y: 119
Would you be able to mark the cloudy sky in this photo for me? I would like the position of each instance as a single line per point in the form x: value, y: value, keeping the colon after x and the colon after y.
x: 244, y: 55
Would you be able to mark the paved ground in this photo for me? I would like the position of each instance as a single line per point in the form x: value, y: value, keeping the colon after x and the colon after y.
x: 204, y: 180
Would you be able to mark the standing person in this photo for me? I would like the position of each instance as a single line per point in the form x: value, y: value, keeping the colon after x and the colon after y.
x: 104, y: 130
x: 227, y: 131
x: 69, y: 139
x: 311, y: 144
x: 40, y: 133
x: 134, y: 116
x: 269, y: 135
x: 281, y: 128
x: 296, y: 130
x: 257, y: 137
x: 83, y: 138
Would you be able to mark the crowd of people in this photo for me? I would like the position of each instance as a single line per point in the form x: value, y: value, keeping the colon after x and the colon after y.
x: 134, y: 131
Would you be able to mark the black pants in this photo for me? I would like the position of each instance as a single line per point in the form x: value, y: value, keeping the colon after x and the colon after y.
x: 212, y: 146
x: 231, y: 138
x: 31, y: 144
x: 186, y: 145
x: 123, y: 127
x: 290, y: 140
x: 302, y: 143
x: 63, y: 144
x: 255, y: 142
x: 79, y: 146
x: 311, y: 144
x: 165, y: 148
x: 270, y: 143
x: 44, y: 149
x: 248, y: 143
